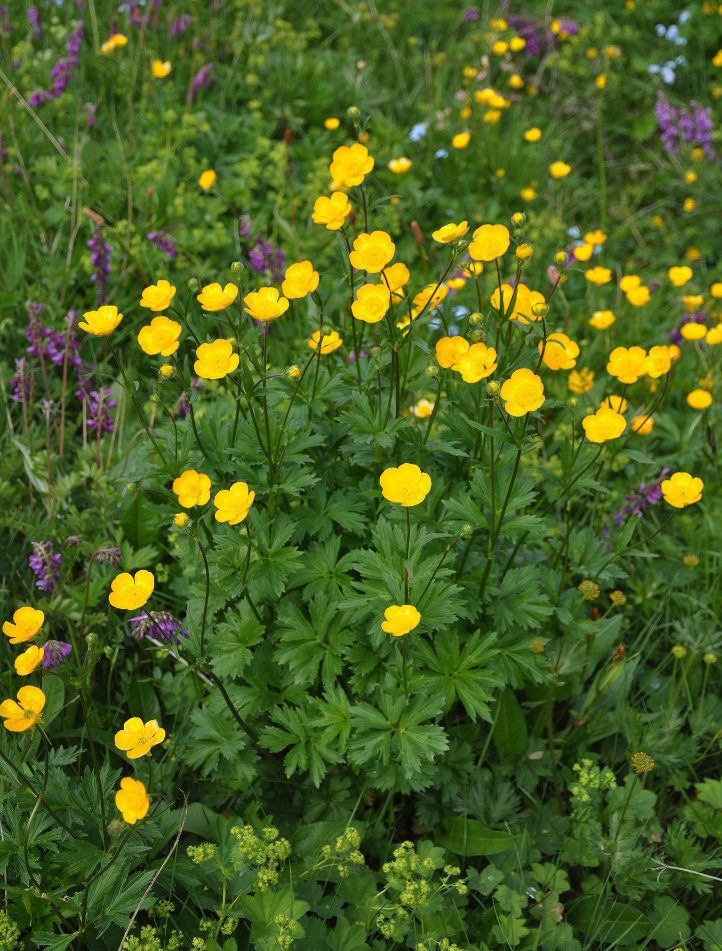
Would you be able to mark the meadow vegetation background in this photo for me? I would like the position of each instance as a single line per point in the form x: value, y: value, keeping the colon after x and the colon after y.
x: 360, y: 484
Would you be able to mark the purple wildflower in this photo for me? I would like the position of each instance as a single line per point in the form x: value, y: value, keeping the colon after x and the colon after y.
x: 100, y: 259
x: 6, y: 26
x: 55, y: 653
x: 470, y: 15
x: 22, y: 382
x: 45, y: 565
x: 640, y: 499
x: 245, y: 228
x: 90, y: 108
x: 163, y: 242
x: 692, y: 124
x: 108, y: 554
x: 202, y: 78
x: 160, y: 624
x: 179, y: 26
x: 34, y: 18
x: 62, y: 71
x: 99, y: 406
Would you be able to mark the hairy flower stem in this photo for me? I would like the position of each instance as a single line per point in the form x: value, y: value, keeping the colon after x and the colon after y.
x: 275, y: 455
x: 229, y: 703
x: 434, y: 411
x: 632, y: 786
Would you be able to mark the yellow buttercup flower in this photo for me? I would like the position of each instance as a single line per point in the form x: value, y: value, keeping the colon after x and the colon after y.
x: 559, y: 169
x: 24, y: 714
x: 207, y: 179
x: 682, y: 489
x: 129, y: 592
x: 102, y: 321
x: 699, y: 399
x: 26, y: 662
x: 533, y: 134
x: 331, y: 123
x: 215, y: 360
x: 628, y: 282
x: 638, y: 296
x: 300, y: 279
x: 372, y: 302
x: 451, y: 232
x: 160, y: 336
x: 331, y: 212
x: 616, y: 403
x: 583, y: 252
x: 400, y: 619
x: 523, y: 309
x: 523, y: 392
x: 160, y: 69
x: 489, y: 242
x: 192, y: 488
x: 372, y: 252
x: 406, y: 485
x: 326, y: 343
x: 603, y: 425
x: 233, y: 504
x: 692, y: 301
x: 693, y: 331
x: 658, y: 361
x: 25, y: 624
x: 423, y: 409
x: 351, y: 164
x: 476, y: 363
x: 680, y: 275
x: 400, y: 165
x: 559, y: 352
x: 461, y: 140
x: 180, y: 519
x: 598, y: 275
x: 265, y: 304
x: 137, y: 738
x: 642, y: 425
x: 430, y: 296
x: 601, y: 319
x: 213, y: 297
x: 114, y: 42
x: 580, y: 381
x: 132, y: 800
x: 627, y: 364
x: 158, y: 296
x: 449, y: 349
x: 395, y: 278
x: 595, y: 238
x: 714, y: 336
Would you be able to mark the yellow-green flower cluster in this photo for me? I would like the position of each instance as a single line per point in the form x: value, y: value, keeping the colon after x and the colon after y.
x: 590, y: 779
x: 344, y: 853
x: 265, y: 851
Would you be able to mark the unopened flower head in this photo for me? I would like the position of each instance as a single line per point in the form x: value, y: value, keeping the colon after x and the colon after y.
x: 642, y: 763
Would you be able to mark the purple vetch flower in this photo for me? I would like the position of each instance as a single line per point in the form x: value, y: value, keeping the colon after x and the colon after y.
x: 55, y: 653
x: 22, y: 382
x: 164, y: 242
x: 90, y: 109
x: 100, y: 260
x: 160, y: 624
x: 692, y: 124
x: 179, y: 26
x: 45, y: 565
x: 34, y: 19
x: 202, y: 78
x: 62, y: 71
x: 267, y: 257
x: 471, y: 14
x: 244, y: 229
x: 99, y: 406
x: 639, y: 500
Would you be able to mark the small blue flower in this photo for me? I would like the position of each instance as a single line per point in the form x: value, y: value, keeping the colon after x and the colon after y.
x: 418, y: 132
x: 683, y: 17
x: 441, y: 153
x: 573, y: 232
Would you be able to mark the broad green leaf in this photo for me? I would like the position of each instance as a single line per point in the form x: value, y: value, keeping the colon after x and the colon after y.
x: 468, y: 837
